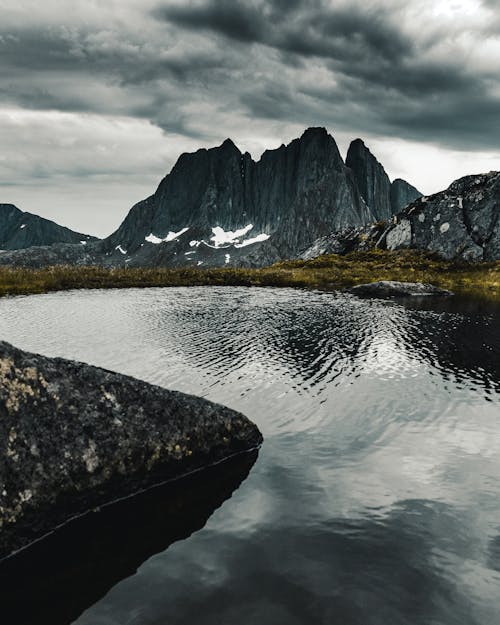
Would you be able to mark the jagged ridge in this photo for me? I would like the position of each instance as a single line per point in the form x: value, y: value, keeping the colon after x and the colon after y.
x: 21, y: 230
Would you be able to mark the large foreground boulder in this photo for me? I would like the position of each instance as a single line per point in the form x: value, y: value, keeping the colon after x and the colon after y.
x: 392, y: 288
x: 73, y: 437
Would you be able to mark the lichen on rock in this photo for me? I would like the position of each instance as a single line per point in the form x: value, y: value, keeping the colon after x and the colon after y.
x: 73, y: 437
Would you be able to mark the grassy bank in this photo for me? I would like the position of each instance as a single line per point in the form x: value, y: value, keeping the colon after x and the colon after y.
x: 331, y: 271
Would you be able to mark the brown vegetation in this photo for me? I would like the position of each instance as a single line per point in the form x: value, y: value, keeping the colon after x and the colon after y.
x: 329, y: 271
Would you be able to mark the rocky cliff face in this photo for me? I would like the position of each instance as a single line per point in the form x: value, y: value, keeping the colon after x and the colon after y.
x: 221, y: 199
x: 402, y: 194
x: 73, y: 437
x: 371, y: 178
x: 462, y: 222
x: 20, y: 230
x: 383, y: 197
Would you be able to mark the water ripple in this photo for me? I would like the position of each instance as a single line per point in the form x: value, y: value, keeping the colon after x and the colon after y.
x: 378, y: 478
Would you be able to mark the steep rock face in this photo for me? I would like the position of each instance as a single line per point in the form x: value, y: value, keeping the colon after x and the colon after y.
x: 73, y: 437
x: 371, y: 178
x: 289, y: 197
x: 383, y: 197
x: 402, y: 194
x: 219, y: 207
x: 461, y: 222
x: 20, y: 230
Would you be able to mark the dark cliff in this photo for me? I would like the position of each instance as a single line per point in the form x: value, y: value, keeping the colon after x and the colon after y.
x: 402, y: 194
x: 290, y: 196
x: 462, y: 222
x: 383, y: 197
x: 20, y: 230
x: 371, y: 178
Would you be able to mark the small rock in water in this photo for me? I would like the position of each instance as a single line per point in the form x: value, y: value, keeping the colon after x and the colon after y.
x: 73, y: 437
x: 391, y: 288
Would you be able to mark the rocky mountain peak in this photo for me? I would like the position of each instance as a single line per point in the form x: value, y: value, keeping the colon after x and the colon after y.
x: 7, y: 211
x: 219, y: 206
x: 371, y: 178
x: 228, y: 145
x: 402, y: 194
x: 19, y: 230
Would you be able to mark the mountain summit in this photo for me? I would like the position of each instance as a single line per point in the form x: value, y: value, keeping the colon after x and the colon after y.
x: 291, y: 196
x: 218, y: 206
x: 383, y: 197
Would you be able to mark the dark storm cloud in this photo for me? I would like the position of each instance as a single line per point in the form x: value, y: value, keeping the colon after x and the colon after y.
x: 72, y: 70
x: 381, y: 66
x: 399, y: 75
x: 303, y: 28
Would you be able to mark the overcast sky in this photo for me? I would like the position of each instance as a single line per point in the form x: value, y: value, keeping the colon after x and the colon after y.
x: 98, y: 98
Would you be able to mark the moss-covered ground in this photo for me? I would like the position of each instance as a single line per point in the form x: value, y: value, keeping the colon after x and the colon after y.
x: 329, y: 271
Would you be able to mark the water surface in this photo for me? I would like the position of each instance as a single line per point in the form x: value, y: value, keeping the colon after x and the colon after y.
x: 375, y: 498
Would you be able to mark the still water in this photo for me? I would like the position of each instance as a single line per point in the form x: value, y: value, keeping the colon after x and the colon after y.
x: 375, y: 499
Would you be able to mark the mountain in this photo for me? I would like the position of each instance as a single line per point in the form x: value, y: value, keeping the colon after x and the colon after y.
x: 20, y: 230
x: 223, y: 199
x: 383, y: 197
x: 220, y: 207
x: 462, y: 222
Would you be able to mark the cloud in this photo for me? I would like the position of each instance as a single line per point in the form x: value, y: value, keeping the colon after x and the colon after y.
x: 422, y: 72
x: 408, y: 72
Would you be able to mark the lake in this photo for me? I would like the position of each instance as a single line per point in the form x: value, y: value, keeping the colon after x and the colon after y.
x: 375, y: 499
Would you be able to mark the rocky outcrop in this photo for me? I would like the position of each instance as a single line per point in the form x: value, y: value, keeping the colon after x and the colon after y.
x: 73, y: 437
x: 402, y: 194
x: 390, y: 288
x: 21, y: 230
x: 349, y: 240
x: 461, y: 222
x: 74, y: 567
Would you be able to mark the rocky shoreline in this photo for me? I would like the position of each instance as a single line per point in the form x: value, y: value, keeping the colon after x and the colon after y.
x: 74, y: 437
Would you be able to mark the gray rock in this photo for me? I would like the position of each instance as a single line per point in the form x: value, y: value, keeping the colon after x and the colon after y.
x: 462, y: 222
x: 399, y: 236
x: 390, y: 288
x: 73, y: 437
x: 363, y: 238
